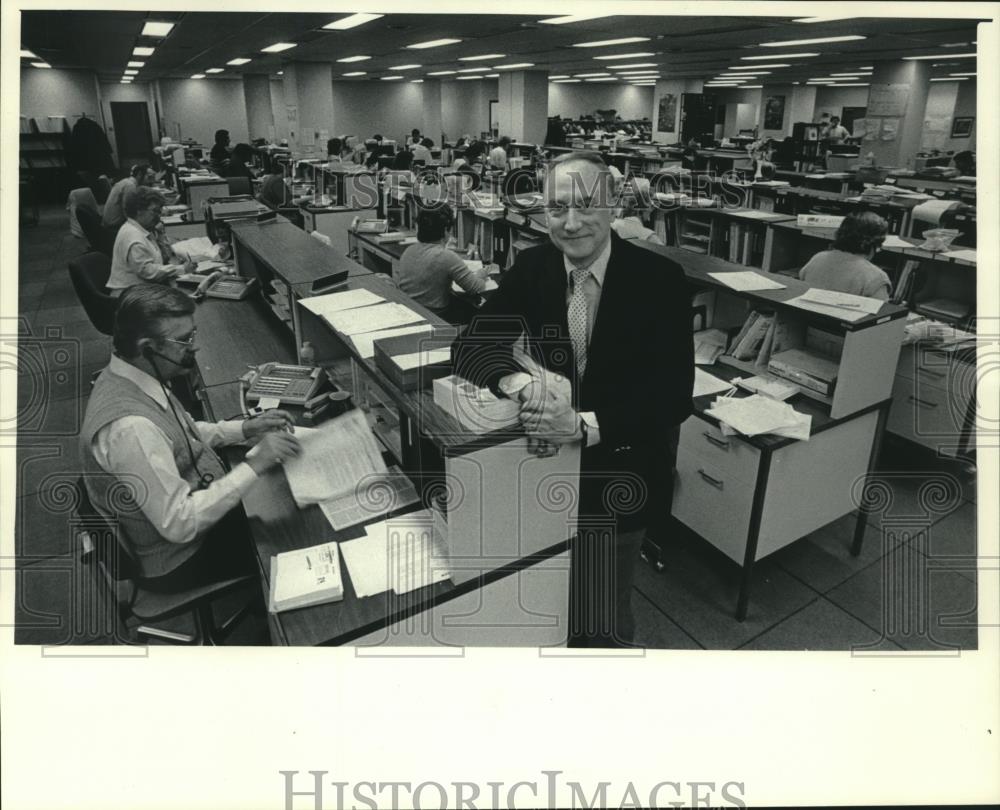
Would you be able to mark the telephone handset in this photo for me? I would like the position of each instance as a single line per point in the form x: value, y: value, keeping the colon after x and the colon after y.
x: 219, y: 285
x: 293, y: 385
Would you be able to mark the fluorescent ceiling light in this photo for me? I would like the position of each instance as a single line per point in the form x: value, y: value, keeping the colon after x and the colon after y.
x: 955, y: 79
x: 634, y: 65
x: 352, y: 21
x: 41, y: 65
x: 961, y: 74
x: 156, y: 29
x: 788, y: 43
x: 627, y: 55
x: 572, y: 18
x: 433, y: 43
x: 751, y: 87
x: 778, y: 56
x: 135, y: 64
x: 142, y: 50
x: 280, y: 73
x: 847, y: 74
x: 125, y: 81
x: 492, y: 75
x: 588, y: 75
x: 416, y: 81
x: 942, y: 56
x: 214, y: 70
x: 442, y: 73
x: 755, y: 67
x: 638, y: 74
x: 601, y: 43
x: 567, y: 81
x: 514, y: 65
x: 354, y: 59
x: 867, y: 67
x: 26, y: 54
x: 198, y: 76
x: 405, y: 67
x: 278, y: 47
x: 131, y: 72
x: 466, y: 78
x: 481, y: 57
x: 356, y: 73
x: 239, y: 61
x: 721, y: 84
x: 391, y: 78
x: 611, y: 79
x: 849, y: 85
x: 824, y: 18
x: 560, y: 76
x: 475, y: 70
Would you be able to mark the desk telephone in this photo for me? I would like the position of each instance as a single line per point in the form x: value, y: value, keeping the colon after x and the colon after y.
x: 293, y: 385
x: 219, y: 285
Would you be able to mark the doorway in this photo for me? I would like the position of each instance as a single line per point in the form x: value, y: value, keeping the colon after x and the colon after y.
x: 133, y: 136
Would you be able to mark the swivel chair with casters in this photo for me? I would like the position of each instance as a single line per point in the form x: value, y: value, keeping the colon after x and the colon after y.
x: 139, y: 608
x: 89, y: 274
x: 101, y: 239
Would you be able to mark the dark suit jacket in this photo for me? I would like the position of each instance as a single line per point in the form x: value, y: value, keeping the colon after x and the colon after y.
x: 640, y: 362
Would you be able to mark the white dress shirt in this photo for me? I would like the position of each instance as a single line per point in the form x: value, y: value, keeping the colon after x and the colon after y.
x: 136, y: 258
x: 134, y: 446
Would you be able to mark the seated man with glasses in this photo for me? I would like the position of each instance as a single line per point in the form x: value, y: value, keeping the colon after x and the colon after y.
x: 150, y: 470
x: 611, y: 324
x: 138, y: 253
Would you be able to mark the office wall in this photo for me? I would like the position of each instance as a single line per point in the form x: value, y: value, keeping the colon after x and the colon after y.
x: 965, y: 106
x: 833, y: 99
x: 195, y: 108
x: 574, y: 100
x: 390, y: 108
x: 279, y: 110
x: 465, y: 107
x: 137, y: 91
x: 59, y: 92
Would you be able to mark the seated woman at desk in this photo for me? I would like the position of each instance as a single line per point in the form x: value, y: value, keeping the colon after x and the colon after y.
x: 846, y: 266
x: 220, y: 152
x: 137, y: 256
x: 427, y: 269
x: 422, y: 151
x: 634, y: 202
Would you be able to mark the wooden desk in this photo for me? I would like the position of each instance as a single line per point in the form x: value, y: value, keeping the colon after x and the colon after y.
x: 782, y: 489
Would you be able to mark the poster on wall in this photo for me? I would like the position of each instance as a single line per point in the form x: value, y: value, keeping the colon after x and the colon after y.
x: 667, y: 118
x: 872, y: 128
x: 888, y: 99
x: 962, y: 127
x: 774, y: 112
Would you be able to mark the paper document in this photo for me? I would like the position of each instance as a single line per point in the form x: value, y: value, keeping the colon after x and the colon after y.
x: 335, y: 457
x: 893, y: 241
x: 365, y: 343
x: 372, y: 319
x: 199, y: 247
x: 965, y: 254
x: 744, y: 281
x: 323, y: 305
x: 475, y: 266
x: 845, y: 306
x: 208, y: 265
x: 769, y: 387
x: 753, y: 213
x: 374, y: 496
x: 306, y: 576
x: 756, y: 415
x: 427, y: 357
x: 705, y: 383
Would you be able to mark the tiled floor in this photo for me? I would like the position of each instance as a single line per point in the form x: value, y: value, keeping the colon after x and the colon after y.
x: 913, y: 586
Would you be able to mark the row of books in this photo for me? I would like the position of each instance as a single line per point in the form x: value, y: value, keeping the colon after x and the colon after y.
x: 743, y: 244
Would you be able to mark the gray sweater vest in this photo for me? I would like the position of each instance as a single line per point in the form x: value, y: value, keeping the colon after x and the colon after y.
x: 120, y: 500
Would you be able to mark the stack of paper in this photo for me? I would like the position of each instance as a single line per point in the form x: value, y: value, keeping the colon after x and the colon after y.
x: 403, y: 553
x: 199, y: 247
x: 845, y: 306
x: 768, y: 386
x: 705, y: 383
x: 306, y: 576
x: 756, y: 415
x: 745, y: 281
x: 426, y: 357
x: 334, y: 458
x: 893, y: 241
x: 365, y: 342
x: 386, y: 315
x: 964, y: 254
x: 324, y: 305
x: 373, y: 496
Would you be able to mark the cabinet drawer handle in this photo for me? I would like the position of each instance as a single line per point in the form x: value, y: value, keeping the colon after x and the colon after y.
x: 715, y: 482
x: 923, y: 403
x: 722, y: 444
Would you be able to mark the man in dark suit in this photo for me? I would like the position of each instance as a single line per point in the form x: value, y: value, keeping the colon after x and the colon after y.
x: 611, y: 323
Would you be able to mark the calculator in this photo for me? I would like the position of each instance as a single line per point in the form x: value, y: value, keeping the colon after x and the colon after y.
x: 293, y: 385
x: 234, y: 288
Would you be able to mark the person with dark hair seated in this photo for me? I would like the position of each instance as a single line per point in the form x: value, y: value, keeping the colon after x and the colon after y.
x: 965, y: 162
x: 402, y: 161
x: 414, y: 138
x: 138, y: 255
x: 846, y: 266
x: 220, y: 152
x: 114, y: 211
x: 427, y: 268
x: 138, y: 440
x: 422, y: 151
x: 498, y: 154
x: 334, y: 147
x: 239, y: 162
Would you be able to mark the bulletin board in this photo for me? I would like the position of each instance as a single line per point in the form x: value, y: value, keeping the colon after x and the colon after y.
x: 888, y: 99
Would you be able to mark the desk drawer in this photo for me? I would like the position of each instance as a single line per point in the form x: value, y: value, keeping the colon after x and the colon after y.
x: 930, y: 414
x: 713, y: 502
x: 933, y: 367
x: 730, y: 454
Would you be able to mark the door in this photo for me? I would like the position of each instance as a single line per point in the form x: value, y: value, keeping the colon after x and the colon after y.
x: 494, y: 117
x: 133, y: 137
x: 849, y: 115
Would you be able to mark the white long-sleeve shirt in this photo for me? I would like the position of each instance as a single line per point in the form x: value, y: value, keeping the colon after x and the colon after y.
x: 134, y: 446
x: 136, y: 258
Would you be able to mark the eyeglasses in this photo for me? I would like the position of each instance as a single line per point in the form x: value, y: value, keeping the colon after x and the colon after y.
x: 189, y: 343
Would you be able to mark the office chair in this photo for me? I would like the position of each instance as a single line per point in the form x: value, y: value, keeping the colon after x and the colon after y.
x: 138, y: 608
x: 100, y: 238
x: 239, y: 185
x: 89, y: 274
